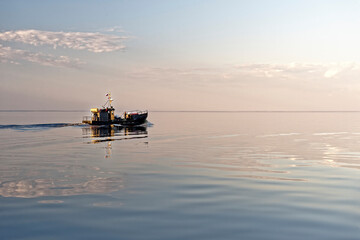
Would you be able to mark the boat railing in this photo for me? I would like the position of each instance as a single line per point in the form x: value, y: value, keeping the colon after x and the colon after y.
x: 87, y: 118
x: 142, y: 112
x: 137, y: 111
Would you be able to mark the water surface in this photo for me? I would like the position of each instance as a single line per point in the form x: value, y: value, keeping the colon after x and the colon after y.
x: 185, y: 175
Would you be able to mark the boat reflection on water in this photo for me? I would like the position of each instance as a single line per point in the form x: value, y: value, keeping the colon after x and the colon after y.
x: 113, y: 132
x: 69, y: 176
x: 109, y: 133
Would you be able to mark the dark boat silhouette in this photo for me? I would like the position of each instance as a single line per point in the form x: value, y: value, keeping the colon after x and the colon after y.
x: 106, y: 116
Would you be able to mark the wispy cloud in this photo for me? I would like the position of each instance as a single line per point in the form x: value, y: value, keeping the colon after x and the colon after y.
x: 196, y: 76
x: 116, y: 29
x: 9, y: 55
x: 338, y: 68
x: 291, y: 76
x: 293, y: 70
x: 93, y: 42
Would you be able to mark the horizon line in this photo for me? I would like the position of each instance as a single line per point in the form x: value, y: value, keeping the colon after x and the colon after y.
x: 192, y: 111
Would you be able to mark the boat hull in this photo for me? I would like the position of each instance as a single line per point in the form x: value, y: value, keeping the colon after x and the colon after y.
x: 134, y: 121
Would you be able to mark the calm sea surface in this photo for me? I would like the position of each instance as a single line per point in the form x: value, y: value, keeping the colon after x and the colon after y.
x: 185, y: 175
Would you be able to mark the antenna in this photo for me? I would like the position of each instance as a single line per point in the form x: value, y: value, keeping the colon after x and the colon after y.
x: 109, y: 101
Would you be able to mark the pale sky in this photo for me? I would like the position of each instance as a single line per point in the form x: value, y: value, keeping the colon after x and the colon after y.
x: 180, y: 55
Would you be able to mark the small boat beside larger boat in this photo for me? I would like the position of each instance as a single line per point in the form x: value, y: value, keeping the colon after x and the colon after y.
x: 106, y: 116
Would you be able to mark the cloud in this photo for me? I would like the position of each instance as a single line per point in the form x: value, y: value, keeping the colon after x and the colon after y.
x: 117, y: 29
x: 338, y: 68
x: 93, y: 42
x: 9, y: 55
x: 331, y: 72
x: 280, y: 78
x: 196, y: 76
x: 295, y: 70
x: 88, y: 41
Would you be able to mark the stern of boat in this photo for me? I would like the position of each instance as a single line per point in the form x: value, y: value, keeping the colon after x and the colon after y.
x: 87, y: 119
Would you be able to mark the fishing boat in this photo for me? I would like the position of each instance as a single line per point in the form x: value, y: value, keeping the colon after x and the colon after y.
x: 106, y: 116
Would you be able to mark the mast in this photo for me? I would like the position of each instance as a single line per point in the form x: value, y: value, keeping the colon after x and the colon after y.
x: 109, y: 101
